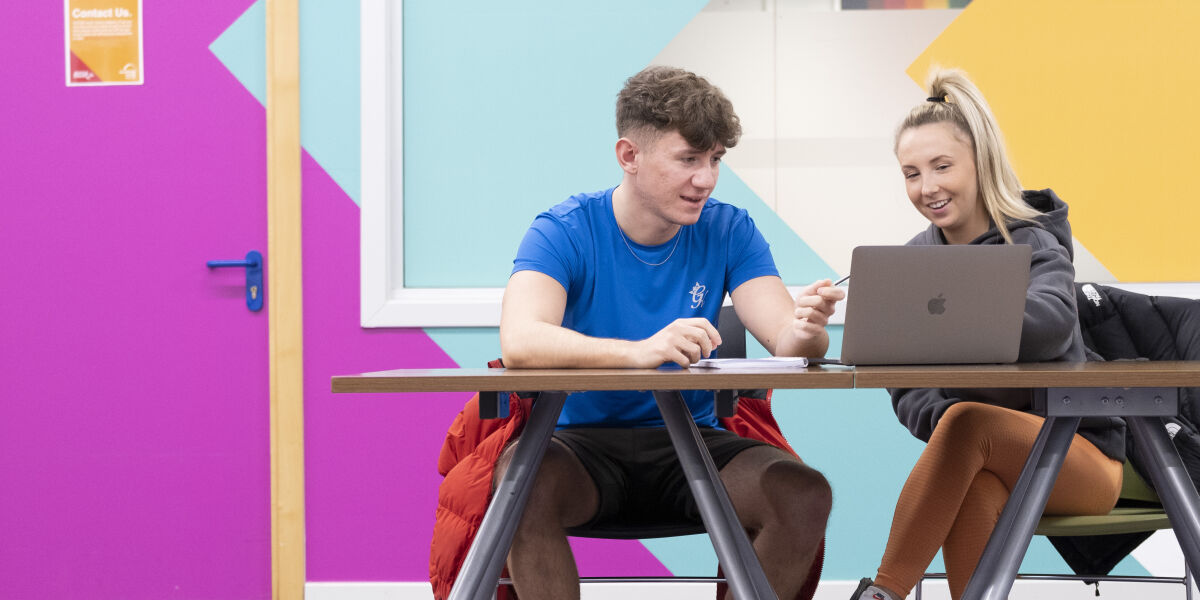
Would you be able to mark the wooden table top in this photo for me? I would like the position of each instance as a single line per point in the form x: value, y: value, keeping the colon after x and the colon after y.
x: 1133, y: 373
x: 1060, y: 374
x: 574, y: 380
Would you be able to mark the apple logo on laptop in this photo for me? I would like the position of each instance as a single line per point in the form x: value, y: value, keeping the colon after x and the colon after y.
x: 937, y: 305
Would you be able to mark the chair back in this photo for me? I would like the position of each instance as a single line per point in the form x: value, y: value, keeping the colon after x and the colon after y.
x: 1133, y: 487
x: 733, y: 334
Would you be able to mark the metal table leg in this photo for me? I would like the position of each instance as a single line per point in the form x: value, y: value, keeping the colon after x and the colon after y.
x: 481, y: 568
x: 1172, y: 483
x: 743, y: 571
x: 993, y: 577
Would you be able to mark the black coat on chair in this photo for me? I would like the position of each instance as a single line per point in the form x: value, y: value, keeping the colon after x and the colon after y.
x: 1121, y: 325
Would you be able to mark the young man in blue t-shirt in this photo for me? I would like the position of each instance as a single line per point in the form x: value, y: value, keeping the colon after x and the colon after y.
x: 634, y: 276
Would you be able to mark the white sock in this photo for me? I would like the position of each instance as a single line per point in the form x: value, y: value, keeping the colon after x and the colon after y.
x: 874, y: 593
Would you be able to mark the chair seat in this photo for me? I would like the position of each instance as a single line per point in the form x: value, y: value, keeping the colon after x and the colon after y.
x: 637, y: 532
x: 1120, y: 520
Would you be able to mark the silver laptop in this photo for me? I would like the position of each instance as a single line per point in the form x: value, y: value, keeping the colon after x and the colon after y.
x: 935, y: 304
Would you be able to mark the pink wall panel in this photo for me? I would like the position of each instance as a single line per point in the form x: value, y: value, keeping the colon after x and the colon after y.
x: 370, y: 459
x: 133, y: 397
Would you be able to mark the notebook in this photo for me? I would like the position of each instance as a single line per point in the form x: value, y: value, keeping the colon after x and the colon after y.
x: 935, y: 304
x: 770, y: 362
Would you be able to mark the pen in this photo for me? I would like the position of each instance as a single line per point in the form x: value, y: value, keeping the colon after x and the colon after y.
x: 842, y: 280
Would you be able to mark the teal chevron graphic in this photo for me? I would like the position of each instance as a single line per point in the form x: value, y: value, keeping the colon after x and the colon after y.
x: 797, y: 263
x: 241, y: 48
x: 329, y: 82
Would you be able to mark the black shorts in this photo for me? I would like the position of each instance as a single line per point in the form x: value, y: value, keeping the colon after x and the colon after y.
x: 638, y: 475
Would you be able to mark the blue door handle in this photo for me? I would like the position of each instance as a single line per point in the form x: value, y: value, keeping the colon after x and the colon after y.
x: 254, y: 280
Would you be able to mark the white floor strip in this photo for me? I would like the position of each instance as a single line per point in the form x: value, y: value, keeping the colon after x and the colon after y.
x: 828, y: 590
x: 381, y: 590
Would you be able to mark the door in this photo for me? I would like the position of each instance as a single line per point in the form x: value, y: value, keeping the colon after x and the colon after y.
x: 134, y: 447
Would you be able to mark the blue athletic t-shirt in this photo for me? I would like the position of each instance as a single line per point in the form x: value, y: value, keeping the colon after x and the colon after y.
x: 617, y: 288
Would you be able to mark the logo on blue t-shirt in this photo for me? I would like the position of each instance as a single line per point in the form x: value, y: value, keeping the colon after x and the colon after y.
x: 698, y: 292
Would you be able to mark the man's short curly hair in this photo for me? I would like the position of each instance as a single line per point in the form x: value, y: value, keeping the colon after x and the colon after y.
x: 666, y: 99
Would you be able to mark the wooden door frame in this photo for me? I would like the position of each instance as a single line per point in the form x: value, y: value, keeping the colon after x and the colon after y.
x: 284, y: 299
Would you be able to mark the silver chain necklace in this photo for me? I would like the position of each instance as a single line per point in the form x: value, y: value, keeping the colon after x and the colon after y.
x: 678, y: 236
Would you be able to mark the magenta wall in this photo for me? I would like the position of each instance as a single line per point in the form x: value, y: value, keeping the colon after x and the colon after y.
x: 134, y: 403
x: 370, y: 458
x: 134, y: 449
x: 133, y: 398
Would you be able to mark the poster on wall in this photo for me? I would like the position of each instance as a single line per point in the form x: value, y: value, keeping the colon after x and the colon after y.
x: 104, y: 42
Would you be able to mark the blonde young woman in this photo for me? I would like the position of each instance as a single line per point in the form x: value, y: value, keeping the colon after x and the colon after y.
x: 957, y: 175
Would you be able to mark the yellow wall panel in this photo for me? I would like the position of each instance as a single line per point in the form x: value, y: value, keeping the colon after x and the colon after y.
x: 1098, y: 100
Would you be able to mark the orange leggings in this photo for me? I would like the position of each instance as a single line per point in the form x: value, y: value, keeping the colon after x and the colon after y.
x: 955, y: 493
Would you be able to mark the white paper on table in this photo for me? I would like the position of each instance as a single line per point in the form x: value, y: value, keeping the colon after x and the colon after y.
x: 770, y: 362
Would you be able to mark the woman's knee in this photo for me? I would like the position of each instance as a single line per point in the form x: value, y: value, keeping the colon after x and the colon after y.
x: 965, y: 414
x: 966, y: 421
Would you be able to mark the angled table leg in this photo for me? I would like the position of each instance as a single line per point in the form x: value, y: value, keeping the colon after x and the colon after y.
x: 1173, y: 484
x: 481, y: 568
x: 997, y: 568
x: 993, y: 577
x: 743, y: 571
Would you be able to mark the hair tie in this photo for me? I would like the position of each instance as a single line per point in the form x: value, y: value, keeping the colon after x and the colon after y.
x: 940, y: 99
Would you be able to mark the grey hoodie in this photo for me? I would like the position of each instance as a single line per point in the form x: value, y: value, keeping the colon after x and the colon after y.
x: 1050, y: 331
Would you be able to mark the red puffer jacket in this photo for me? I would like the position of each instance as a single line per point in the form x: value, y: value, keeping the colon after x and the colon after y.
x: 469, y: 454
